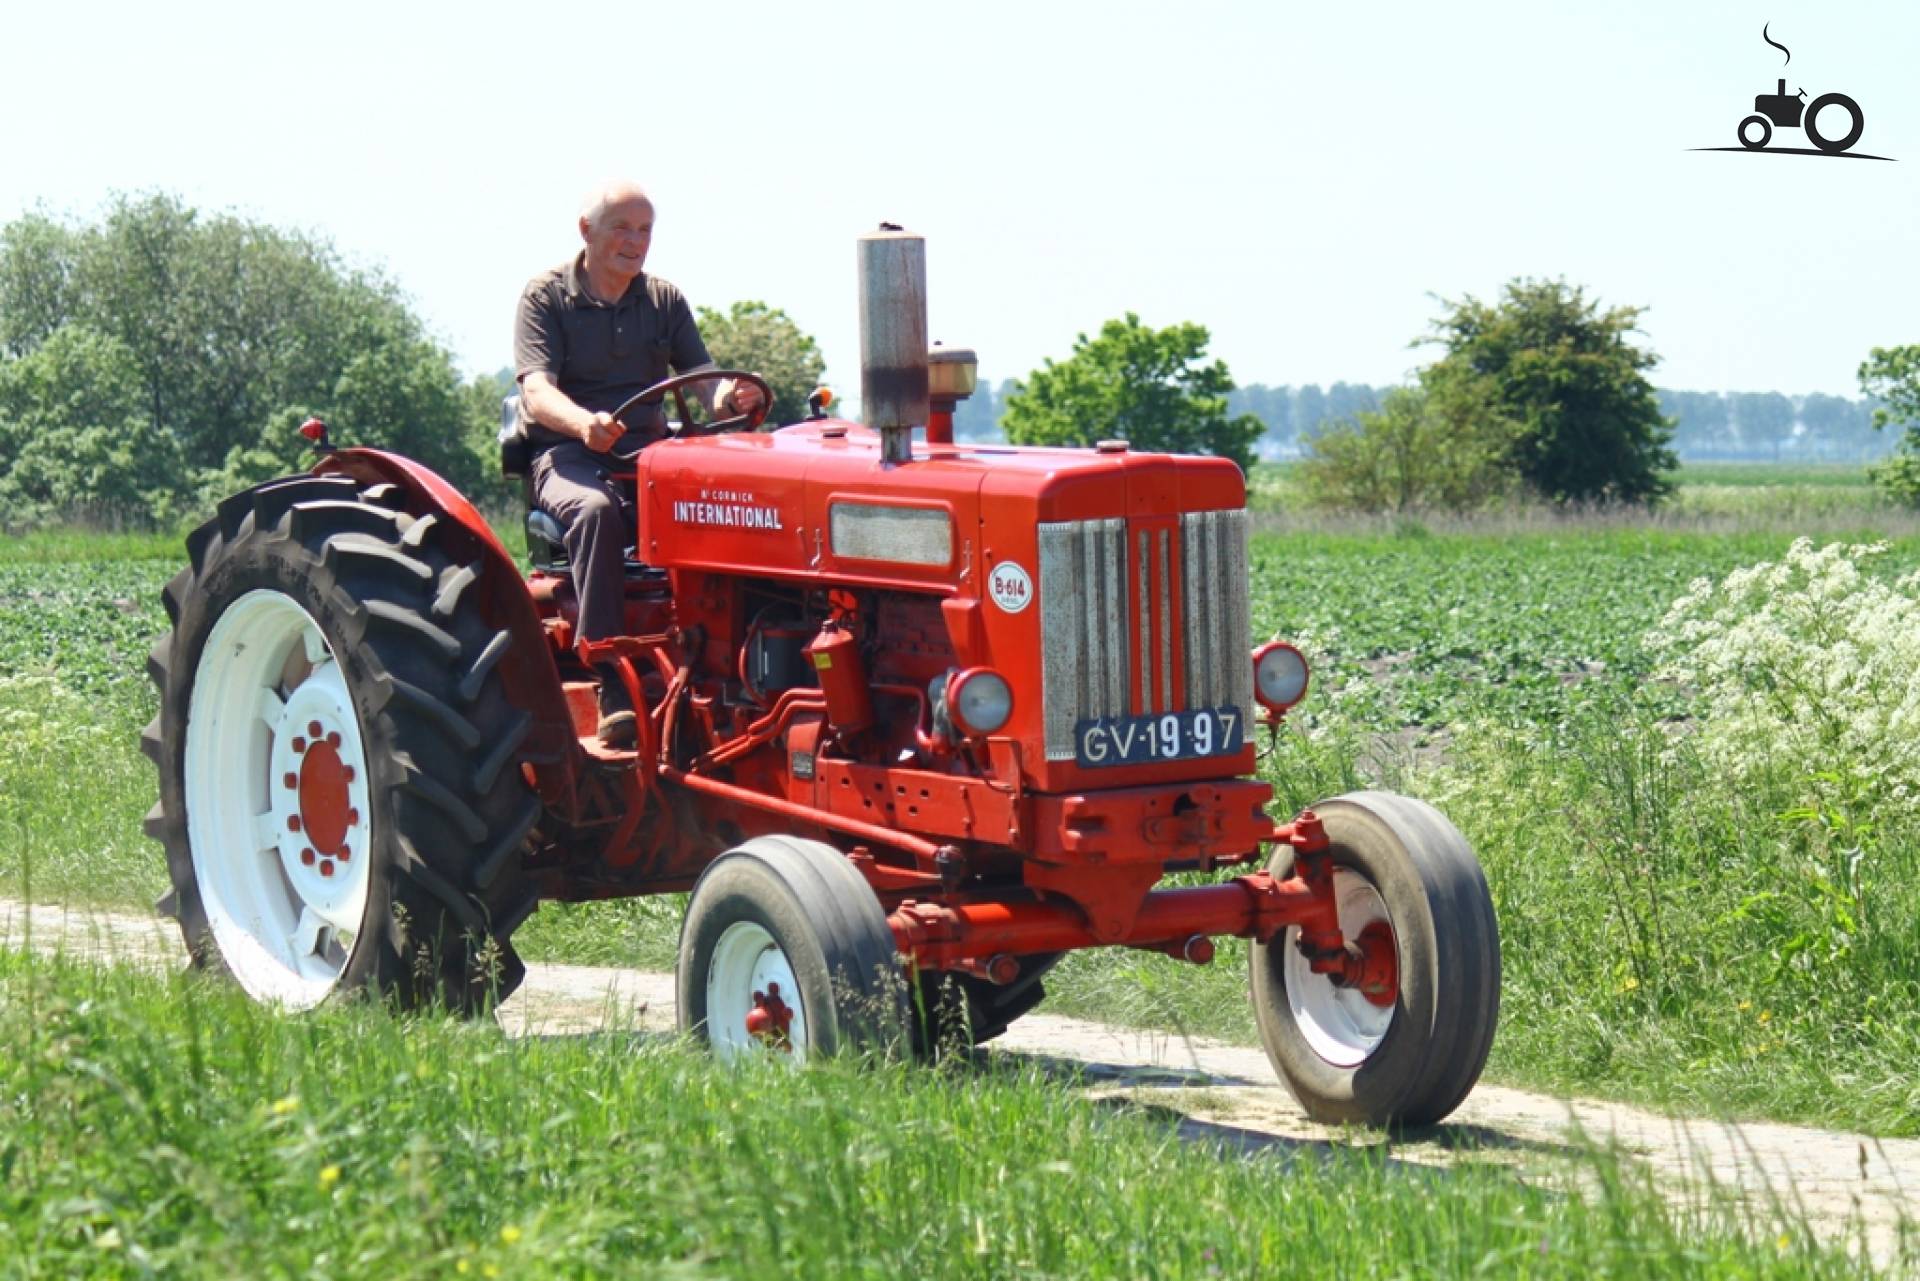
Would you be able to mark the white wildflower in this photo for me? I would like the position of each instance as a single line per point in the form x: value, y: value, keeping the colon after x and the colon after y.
x: 1804, y: 667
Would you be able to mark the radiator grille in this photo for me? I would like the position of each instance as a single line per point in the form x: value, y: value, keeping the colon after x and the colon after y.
x: 1214, y: 618
x: 1102, y: 588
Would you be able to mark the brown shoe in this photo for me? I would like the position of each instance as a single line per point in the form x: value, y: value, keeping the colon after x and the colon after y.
x: 619, y: 729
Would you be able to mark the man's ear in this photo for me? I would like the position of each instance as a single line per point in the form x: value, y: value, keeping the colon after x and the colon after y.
x: 585, y: 227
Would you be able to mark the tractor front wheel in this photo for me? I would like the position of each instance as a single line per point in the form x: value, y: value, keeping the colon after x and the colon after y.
x: 786, y: 950
x: 340, y: 797
x: 1404, y: 1052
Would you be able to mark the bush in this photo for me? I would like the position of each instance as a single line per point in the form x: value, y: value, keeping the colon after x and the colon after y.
x: 1443, y: 443
x: 1806, y: 669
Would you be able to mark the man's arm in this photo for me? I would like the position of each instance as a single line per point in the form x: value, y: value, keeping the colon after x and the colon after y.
x: 687, y: 353
x: 553, y: 409
x: 538, y: 346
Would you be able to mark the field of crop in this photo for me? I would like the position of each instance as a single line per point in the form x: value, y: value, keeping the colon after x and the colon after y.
x: 1671, y: 933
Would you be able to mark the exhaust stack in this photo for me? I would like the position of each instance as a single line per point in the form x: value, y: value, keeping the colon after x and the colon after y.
x: 893, y: 337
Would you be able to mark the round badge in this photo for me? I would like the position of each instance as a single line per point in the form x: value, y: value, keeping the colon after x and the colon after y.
x: 1010, y: 587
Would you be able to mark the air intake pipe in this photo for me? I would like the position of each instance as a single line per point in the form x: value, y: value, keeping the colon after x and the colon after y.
x: 893, y: 337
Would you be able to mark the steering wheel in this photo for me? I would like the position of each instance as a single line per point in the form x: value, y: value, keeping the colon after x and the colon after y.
x: 675, y: 386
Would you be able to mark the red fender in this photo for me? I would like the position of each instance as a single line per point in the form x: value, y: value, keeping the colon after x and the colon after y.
x: 527, y: 669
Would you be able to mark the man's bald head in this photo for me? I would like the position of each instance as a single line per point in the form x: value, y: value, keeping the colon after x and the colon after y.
x: 617, y: 226
x: 621, y: 194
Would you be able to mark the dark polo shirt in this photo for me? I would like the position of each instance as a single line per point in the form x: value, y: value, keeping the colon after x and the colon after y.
x: 601, y: 353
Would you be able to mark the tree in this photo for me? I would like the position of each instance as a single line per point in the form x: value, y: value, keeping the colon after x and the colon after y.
x: 1765, y: 419
x: 1892, y: 376
x: 216, y: 331
x: 1565, y: 370
x: 764, y: 340
x: 74, y: 434
x: 1443, y: 443
x: 1309, y: 412
x: 1154, y: 387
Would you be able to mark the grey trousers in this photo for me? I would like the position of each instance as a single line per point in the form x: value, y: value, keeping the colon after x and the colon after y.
x: 576, y: 487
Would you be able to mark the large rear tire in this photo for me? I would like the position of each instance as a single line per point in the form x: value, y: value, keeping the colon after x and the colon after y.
x: 786, y: 949
x: 340, y: 796
x: 1409, y: 1058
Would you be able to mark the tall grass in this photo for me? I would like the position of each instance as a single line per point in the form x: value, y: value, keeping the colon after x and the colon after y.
x: 156, y: 1126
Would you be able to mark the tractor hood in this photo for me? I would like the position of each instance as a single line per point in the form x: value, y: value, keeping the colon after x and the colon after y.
x: 816, y: 502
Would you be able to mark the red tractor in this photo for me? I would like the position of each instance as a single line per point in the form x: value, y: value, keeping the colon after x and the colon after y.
x: 916, y: 720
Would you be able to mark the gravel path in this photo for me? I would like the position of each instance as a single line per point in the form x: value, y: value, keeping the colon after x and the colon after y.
x: 1848, y: 1186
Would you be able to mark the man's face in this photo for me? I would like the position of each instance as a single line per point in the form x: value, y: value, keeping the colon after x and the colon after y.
x: 619, y: 239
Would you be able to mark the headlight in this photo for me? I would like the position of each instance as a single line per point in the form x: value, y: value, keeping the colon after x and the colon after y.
x: 1279, y: 675
x: 980, y: 701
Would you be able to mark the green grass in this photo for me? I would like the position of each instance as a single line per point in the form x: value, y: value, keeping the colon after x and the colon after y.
x: 154, y: 1126
x: 1664, y: 941
x: 1770, y: 474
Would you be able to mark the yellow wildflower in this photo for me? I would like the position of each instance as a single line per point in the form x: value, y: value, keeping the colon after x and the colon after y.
x: 510, y: 1234
x: 329, y: 1175
x: 285, y: 1105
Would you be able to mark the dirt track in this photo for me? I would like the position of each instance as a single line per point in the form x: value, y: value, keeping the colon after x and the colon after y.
x: 1227, y: 1093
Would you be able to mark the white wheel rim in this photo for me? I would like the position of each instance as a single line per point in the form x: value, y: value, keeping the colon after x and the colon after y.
x: 1340, y: 1024
x: 747, y: 961
x: 278, y: 819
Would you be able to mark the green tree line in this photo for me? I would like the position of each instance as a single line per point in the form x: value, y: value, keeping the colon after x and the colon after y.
x: 159, y: 358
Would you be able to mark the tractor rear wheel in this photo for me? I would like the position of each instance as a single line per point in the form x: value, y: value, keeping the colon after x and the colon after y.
x: 1403, y: 877
x: 340, y: 797
x: 786, y: 949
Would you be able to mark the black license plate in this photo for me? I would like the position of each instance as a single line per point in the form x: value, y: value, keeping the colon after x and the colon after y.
x: 1170, y: 736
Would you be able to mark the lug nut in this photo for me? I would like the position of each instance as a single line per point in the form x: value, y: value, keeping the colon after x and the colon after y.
x: 293, y: 822
x: 348, y: 773
x: 326, y: 867
x: 299, y: 745
x: 353, y: 818
x: 306, y: 858
x: 313, y: 729
x: 333, y: 739
x: 292, y: 780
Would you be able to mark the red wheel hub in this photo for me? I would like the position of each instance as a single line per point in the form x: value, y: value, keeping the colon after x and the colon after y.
x: 1376, y: 972
x: 770, y: 1018
x: 322, y: 788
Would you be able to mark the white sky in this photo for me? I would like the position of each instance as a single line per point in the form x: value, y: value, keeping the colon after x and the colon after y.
x: 1299, y: 179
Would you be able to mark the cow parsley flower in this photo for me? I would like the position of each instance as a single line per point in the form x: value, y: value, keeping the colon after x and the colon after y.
x: 1805, y: 668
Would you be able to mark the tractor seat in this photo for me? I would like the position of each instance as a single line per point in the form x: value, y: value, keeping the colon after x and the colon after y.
x: 546, y: 540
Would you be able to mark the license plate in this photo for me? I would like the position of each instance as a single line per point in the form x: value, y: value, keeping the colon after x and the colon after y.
x: 1169, y: 736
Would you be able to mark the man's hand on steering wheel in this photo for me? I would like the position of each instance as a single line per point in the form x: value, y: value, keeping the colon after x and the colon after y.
x: 738, y: 397
x: 749, y: 396
x: 602, y: 430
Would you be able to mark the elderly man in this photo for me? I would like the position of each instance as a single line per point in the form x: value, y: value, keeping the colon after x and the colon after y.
x: 589, y: 334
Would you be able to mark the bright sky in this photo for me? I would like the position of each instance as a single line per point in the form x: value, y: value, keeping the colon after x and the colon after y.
x: 1298, y: 178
